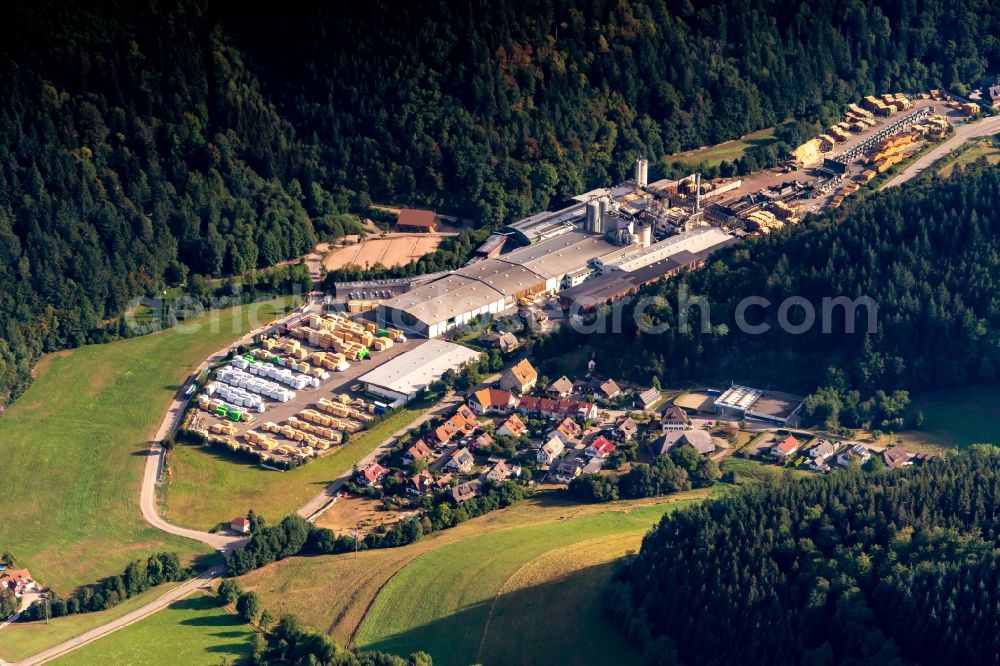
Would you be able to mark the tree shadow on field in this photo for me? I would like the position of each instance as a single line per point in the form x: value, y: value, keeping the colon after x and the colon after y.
x: 561, y: 621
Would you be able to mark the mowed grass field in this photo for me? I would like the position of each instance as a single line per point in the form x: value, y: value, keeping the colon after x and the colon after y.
x: 21, y: 640
x: 332, y: 593
x: 193, y: 631
x: 727, y: 151
x: 981, y: 148
x: 207, y: 486
x: 467, y: 602
x: 956, y: 417
x: 78, y: 438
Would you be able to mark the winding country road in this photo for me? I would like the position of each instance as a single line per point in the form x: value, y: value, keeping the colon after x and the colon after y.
x: 963, y: 133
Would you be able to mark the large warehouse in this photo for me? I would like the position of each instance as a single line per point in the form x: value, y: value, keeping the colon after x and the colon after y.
x: 402, y: 378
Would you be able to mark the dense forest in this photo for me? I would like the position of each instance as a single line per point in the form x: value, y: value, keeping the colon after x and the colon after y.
x: 141, y: 143
x: 863, y: 567
x: 927, y: 255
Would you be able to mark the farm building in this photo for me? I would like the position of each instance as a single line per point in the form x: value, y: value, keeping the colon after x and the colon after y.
x: 421, y: 221
x: 402, y: 378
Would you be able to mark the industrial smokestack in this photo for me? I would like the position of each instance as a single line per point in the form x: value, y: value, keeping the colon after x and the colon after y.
x: 645, y: 173
x: 593, y: 215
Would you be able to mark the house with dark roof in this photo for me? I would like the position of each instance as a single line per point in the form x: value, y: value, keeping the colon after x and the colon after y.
x: 461, y: 460
x: 894, y: 457
x: 419, y: 451
x: 674, y: 418
x: 420, y: 483
x: 566, y: 469
x: 855, y: 453
x: 466, y: 490
x: 505, y: 342
x: 626, y: 429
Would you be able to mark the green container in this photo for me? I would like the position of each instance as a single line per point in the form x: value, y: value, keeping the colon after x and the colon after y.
x: 274, y: 361
x: 363, y: 354
x: 249, y: 358
x: 382, y: 333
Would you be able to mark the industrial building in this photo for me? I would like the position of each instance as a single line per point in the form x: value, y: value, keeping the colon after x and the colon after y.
x: 607, y: 229
x: 402, y: 378
x: 751, y: 403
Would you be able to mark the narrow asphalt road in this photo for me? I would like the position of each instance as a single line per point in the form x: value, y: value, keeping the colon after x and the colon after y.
x: 963, y: 133
x: 179, y: 592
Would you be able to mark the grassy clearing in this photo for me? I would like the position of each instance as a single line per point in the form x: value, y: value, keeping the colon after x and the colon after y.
x: 981, y: 148
x: 79, y: 437
x: 956, y: 417
x: 208, y: 486
x: 191, y: 631
x: 333, y: 592
x: 441, y: 602
x: 750, y: 471
x: 538, y: 616
x: 727, y: 151
x: 22, y: 640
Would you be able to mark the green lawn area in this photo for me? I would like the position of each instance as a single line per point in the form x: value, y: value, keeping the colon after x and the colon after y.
x: 191, y: 631
x: 21, y: 640
x: 71, y: 512
x: 467, y: 602
x: 750, y: 471
x: 727, y: 151
x: 956, y: 417
x: 207, y: 486
x: 981, y: 148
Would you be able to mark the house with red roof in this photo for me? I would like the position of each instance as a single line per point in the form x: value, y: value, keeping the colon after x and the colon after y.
x: 371, y: 475
x: 493, y: 400
x: 600, y: 447
x: 785, y: 447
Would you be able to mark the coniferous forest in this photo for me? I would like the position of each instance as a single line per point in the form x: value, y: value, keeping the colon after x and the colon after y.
x: 878, y: 567
x: 144, y: 143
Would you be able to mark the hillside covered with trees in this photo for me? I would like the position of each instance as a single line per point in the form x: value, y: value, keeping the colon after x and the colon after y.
x: 144, y: 143
x: 929, y: 258
x: 881, y: 567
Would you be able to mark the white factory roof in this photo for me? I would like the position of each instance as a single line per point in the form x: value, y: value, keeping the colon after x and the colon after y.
x: 613, y: 192
x: 694, y: 242
x: 414, y: 370
x: 446, y: 298
x: 738, y: 397
x: 507, y: 278
x: 558, y: 256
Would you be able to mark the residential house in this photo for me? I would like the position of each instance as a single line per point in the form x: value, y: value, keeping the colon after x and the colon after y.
x: 600, y: 447
x: 371, y: 475
x: 456, y: 425
x: 674, y: 418
x: 854, y: 453
x: 240, y: 525
x: 785, y: 447
x: 551, y: 450
x: 15, y: 580
x: 512, y: 427
x: 461, y: 460
x: 647, y: 399
x: 626, y: 429
x: 466, y: 490
x: 820, y: 453
x: 419, y: 451
x: 609, y: 390
x: 420, y: 483
x: 482, y: 441
x: 566, y: 469
x: 994, y: 93
x: 593, y: 466
x: 499, y: 472
x: 521, y: 377
x: 568, y: 431
x: 560, y: 388
x: 557, y: 408
x: 444, y: 480
x: 467, y: 415
x: 493, y: 400
x: 505, y: 342
x: 895, y: 457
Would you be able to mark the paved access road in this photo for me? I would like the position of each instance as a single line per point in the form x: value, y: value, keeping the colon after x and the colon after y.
x: 179, y: 592
x: 963, y: 133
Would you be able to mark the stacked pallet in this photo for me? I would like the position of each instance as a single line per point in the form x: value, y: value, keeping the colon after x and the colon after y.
x: 261, y: 441
x: 223, y: 428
